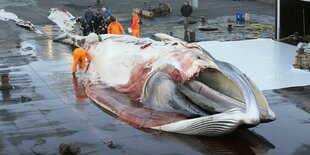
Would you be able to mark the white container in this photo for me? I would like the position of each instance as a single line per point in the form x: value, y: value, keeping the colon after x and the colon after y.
x: 147, y: 14
x: 195, y: 3
x: 129, y: 30
x: 246, y: 17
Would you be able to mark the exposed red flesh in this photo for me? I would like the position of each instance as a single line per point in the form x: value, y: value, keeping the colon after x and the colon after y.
x: 120, y: 105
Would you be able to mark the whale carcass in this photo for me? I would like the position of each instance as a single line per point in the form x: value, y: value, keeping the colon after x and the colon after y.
x: 170, y: 85
x: 167, y: 84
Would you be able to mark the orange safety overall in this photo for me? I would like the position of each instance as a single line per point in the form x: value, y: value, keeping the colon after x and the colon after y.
x: 79, y: 54
x: 135, y: 26
x: 115, y: 28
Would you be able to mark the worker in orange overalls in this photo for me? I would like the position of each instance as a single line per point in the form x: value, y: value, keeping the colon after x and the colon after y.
x: 115, y: 27
x: 79, y: 54
x: 135, y: 26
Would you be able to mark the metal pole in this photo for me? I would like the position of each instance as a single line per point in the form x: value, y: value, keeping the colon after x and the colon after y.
x: 278, y: 19
x: 304, y: 20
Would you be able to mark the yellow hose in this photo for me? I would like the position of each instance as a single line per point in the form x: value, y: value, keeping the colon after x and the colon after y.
x: 162, y: 28
x: 252, y: 27
x: 260, y: 27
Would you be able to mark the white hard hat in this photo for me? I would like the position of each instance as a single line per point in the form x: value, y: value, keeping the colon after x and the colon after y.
x: 103, y: 9
x: 136, y: 10
x: 91, y: 38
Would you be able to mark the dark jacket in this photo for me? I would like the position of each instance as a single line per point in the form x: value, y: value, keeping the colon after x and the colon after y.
x: 186, y: 10
x: 85, y: 27
x: 89, y: 16
x: 97, y: 21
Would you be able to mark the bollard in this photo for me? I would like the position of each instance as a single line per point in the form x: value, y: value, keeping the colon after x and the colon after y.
x: 203, y: 20
x: 229, y: 28
x: 189, y: 36
x: 5, y: 81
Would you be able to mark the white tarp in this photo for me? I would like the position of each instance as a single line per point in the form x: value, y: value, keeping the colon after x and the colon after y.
x: 268, y: 63
x: 6, y: 16
x: 64, y: 19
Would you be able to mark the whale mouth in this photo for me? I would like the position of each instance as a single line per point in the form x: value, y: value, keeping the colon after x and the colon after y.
x: 212, y: 91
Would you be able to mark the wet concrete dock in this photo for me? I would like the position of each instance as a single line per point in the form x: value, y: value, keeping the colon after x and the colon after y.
x: 46, y: 106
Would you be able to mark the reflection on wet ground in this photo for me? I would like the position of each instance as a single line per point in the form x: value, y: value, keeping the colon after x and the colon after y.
x: 47, y: 107
x: 289, y: 131
x: 300, y: 95
x: 243, y: 141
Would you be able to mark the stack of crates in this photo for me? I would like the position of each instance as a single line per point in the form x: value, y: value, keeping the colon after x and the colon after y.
x: 302, y: 58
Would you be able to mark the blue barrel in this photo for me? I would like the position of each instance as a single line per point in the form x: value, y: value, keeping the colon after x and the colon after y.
x: 237, y: 16
x: 240, y: 16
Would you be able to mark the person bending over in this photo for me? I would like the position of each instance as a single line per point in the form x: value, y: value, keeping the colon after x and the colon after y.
x: 79, y: 55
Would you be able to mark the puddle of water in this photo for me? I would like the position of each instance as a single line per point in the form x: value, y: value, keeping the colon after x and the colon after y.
x: 28, y: 48
x: 289, y: 132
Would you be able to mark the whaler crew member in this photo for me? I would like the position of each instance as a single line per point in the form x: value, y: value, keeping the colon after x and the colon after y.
x: 115, y: 27
x: 79, y: 55
x: 135, y: 26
